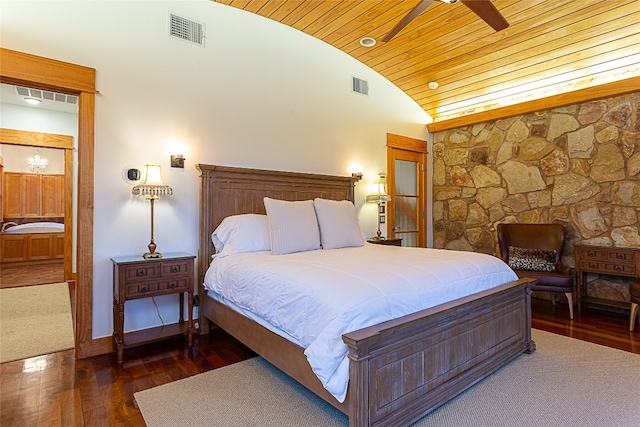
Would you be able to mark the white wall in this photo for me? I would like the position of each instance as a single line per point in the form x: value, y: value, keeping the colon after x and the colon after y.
x: 259, y: 95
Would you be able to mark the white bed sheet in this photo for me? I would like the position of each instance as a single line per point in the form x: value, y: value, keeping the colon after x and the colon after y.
x: 317, y: 296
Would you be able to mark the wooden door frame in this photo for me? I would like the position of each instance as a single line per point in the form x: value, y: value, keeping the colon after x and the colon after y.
x: 50, y: 140
x: 399, y: 142
x: 42, y: 73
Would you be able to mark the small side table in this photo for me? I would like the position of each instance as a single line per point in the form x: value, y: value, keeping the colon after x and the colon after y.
x: 136, y: 278
x: 389, y: 242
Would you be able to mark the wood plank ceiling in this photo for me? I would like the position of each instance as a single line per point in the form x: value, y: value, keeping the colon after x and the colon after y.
x: 551, y: 47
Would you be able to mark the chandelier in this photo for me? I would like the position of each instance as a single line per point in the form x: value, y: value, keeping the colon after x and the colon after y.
x: 37, y: 164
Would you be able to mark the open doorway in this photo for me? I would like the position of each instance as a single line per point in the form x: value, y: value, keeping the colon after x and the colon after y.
x: 32, y: 207
x: 34, y: 71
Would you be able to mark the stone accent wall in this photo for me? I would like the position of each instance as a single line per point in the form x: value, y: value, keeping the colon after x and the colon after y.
x: 577, y: 166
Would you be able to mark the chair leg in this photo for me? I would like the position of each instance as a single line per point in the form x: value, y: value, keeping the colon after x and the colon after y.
x: 634, y: 312
x: 570, y: 301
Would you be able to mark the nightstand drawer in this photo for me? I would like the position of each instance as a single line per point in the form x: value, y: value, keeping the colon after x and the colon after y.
x: 144, y: 290
x: 622, y: 256
x: 592, y: 253
x: 138, y: 272
x: 627, y: 269
x: 175, y: 268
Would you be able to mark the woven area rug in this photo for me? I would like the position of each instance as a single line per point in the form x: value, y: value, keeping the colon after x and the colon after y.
x: 35, y: 320
x: 566, y: 382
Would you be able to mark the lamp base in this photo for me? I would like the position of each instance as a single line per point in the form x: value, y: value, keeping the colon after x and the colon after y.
x: 152, y: 255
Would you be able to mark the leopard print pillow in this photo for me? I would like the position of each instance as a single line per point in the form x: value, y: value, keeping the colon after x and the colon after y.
x: 531, y: 259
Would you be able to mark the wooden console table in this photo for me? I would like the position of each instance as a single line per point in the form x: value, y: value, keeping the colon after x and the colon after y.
x: 609, y: 260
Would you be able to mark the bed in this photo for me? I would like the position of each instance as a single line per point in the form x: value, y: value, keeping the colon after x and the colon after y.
x: 400, y: 369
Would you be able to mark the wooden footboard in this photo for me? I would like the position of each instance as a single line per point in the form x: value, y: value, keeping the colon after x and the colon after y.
x: 402, y: 369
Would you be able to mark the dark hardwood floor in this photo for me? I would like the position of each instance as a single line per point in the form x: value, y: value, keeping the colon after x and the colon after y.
x: 57, y: 390
x: 32, y: 273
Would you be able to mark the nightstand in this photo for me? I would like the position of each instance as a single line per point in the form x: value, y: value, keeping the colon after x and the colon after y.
x: 136, y: 278
x: 389, y: 242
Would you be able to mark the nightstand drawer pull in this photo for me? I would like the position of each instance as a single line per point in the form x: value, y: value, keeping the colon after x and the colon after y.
x: 174, y: 269
x: 173, y: 285
x: 593, y: 265
x: 141, y: 272
x: 143, y: 289
x: 590, y: 253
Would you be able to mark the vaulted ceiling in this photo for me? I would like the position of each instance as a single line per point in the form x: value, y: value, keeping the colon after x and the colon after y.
x: 551, y: 47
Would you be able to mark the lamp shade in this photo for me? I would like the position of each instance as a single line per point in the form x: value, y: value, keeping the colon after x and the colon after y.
x: 152, y: 187
x: 379, y: 194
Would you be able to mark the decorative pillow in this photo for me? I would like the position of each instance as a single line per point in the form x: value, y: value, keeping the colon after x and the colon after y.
x: 531, y: 259
x: 339, y: 227
x: 293, y: 226
x: 241, y: 233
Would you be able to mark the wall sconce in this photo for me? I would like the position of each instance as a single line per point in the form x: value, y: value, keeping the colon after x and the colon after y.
x: 177, y: 161
x: 356, y: 171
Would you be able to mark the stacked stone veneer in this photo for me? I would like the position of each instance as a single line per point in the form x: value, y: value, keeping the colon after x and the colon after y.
x: 578, y: 166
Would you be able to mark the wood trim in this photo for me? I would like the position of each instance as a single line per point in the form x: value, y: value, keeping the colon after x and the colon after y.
x: 583, y: 95
x: 40, y: 139
x: 44, y: 73
x: 406, y: 143
x: 84, y: 249
x: 68, y: 215
x: 19, y: 67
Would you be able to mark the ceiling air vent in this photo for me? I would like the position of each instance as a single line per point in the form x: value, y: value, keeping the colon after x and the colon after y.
x: 186, y: 30
x: 360, y: 86
x: 45, y: 94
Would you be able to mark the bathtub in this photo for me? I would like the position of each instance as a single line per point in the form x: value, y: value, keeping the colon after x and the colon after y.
x: 36, y: 241
x: 35, y: 227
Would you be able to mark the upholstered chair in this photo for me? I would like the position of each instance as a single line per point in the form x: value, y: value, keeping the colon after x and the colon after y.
x: 534, y: 250
x: 635, y: 303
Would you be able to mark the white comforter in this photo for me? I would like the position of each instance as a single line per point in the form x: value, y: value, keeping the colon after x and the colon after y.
x: 317, y: 296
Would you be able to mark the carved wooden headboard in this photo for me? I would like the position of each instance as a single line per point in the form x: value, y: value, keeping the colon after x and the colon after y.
x: 228, y: 191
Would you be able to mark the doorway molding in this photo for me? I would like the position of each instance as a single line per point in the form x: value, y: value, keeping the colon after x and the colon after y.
x: 23, y: 69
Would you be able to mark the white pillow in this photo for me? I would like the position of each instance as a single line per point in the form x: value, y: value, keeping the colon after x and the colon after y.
x: 339, y: 227
x: 241, y: 233
x: 292, y: 225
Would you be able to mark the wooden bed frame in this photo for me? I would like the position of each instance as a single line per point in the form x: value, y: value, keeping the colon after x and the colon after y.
x: 399, y: 370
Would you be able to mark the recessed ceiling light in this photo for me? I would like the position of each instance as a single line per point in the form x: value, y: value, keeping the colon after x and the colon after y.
x: 33, y: 101
x: 433, y: 85
x: 367, y: 41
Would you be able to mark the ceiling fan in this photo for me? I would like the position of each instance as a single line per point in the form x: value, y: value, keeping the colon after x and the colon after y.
x: 483, y: 8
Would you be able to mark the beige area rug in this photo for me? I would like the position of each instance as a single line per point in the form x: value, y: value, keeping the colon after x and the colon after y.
x: 566, y: 382
x: 35, y: 320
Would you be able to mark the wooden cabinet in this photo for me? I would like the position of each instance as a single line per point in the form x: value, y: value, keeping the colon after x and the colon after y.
x: 134, y: 278
x: 12, y: 195
x: 31, y: 247
x: 28, y: 195
x: 52, y: 195
x: 609, y: 260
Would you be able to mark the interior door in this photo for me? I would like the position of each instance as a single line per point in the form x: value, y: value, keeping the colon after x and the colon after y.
x: 406, y: 186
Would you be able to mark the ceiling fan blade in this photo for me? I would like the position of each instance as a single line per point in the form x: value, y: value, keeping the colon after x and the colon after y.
x: 487, y: 12
x: 420, y: 7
